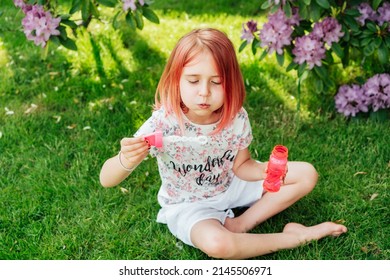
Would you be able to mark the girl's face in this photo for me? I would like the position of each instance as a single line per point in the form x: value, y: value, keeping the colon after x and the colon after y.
x: 201, y: 89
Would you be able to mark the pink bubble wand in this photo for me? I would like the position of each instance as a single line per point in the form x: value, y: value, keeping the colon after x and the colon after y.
x: 154, y: 139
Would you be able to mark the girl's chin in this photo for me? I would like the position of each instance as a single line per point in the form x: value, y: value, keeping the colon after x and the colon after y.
x: 202, y: 117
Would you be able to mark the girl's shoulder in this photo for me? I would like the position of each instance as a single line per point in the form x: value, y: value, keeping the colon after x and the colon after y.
x: 242, y: 115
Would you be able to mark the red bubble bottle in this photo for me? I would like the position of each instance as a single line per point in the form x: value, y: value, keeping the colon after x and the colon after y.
x: 276, y: 168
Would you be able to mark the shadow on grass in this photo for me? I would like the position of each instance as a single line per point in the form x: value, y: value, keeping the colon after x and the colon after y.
x: 231, y: 7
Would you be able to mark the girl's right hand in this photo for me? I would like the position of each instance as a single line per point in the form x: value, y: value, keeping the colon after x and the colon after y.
x: 133, y: 151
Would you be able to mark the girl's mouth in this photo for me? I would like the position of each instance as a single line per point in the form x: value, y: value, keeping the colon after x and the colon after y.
x: 203, y: 106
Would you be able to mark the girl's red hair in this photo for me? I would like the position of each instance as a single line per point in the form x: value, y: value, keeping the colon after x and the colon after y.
x: 222, y: 49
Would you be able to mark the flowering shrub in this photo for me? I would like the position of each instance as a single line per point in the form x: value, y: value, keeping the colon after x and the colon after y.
x: 316, y: 35
x: 131, y: 4
x: 373, y: 95
x: 40, y: 26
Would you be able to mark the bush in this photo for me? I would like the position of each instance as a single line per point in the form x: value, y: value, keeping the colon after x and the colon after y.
x: 316, y: 36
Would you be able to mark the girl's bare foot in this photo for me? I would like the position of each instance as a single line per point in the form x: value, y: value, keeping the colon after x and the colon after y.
x: 306, y: 234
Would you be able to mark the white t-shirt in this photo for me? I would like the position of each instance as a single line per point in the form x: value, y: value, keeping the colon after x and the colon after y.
x: 193, y: 164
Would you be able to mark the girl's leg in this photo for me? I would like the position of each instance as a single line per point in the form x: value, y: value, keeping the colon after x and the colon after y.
x: 300, y: 180
x: 215, y: 240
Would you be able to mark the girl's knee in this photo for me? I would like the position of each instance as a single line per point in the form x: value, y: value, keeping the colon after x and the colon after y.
x: 303, y: 174
x: 219, y: 246
x: 310, y: 171
x: 309, y: 176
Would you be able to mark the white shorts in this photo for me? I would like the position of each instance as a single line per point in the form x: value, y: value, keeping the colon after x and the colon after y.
x: 182, y: 217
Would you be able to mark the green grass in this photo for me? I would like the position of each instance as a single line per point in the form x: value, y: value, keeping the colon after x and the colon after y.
x: 52, y: 205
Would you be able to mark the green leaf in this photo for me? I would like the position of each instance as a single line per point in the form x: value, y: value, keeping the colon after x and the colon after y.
x: 360, y: 80
x: 131, y: 20
x: 76, y: 6
x: 69, y: 23
x: 338, y: 50
x: 375, y: 4
x: 68, y: 43
x: 351, y: 22
x: 63, y: 33
x: 321, y: 72
x: 365, y: 41
x: 307, y: 2
x: 108, y: 3
x: 387, y: 41
x: 280, y: 58
x: 377, y: 42
x: 139, y: 20
x: 93, y: 10
x: 345, y: 59
x: 347, y: 35
x: 303, y: 12
x: 369, y: 49
x: 65, y: 16
x: 318, y: 85
x: 291, y: 66
x: 274, y: 9
x: 243, y: 45
x: 382, y: 115
x: 329, y: 84
x: 255, y: 44
x: 263, y: 55
x: 304, y: 75
x: 55, y: 39
x: 371, y: 26
x: 323, y: 3
x: 150, y: 15
x: 266, y: 5
x: 85, y: 10
x: 301, y: 69
x: 329, y: 57
x: 383, y: 54
x: 287, y: 9
x: 352, y: 12
x: 315, y: 12
x: 367, y: 33
x: 115, y: 22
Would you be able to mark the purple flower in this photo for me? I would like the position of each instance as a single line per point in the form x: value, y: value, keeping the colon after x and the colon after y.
x: 19, y: 3
x: 248, y: 34
x: 276, y: 33
x: 131, y: 4
x: 39, y: 25
x: 350, y: 100
x: 384, y: 13
x: 310, y: 50
x: 295, y: 18
x: 328, y: 30
x: 366, y: 13
x: 276, y: 2
x: 377, y: 91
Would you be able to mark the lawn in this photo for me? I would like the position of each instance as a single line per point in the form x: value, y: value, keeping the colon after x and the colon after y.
x: 61, y: 117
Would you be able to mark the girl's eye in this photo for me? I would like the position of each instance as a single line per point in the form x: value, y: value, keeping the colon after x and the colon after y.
x: 216, y: 82
x: 193, y: 81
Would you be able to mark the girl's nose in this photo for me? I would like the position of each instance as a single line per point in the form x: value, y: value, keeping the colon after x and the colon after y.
x: 204, y: 90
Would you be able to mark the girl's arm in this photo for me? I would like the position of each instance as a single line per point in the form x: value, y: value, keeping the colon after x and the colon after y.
x: 132, y: 153
x: 247, y: 168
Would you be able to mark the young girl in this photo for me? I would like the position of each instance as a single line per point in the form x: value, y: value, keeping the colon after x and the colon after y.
x: 205, y: 165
